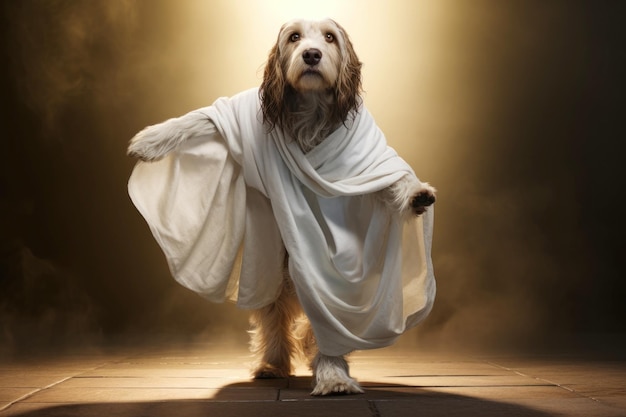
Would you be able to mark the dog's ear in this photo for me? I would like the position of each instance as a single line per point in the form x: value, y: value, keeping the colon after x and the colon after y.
x: 348, y: 89
x: 273, y: 88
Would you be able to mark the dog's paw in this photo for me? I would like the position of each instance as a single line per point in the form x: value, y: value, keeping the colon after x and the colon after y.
x: 270, y: 372
x: 141, y: 156
x: 332, y: 376
x: 146, y: 146
x: 423, y: 199
x: 337, y: 386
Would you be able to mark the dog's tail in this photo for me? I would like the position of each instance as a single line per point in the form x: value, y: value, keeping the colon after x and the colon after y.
x: 156, y: 141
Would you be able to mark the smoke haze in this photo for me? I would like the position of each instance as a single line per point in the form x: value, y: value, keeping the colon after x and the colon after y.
x: 511, y: 109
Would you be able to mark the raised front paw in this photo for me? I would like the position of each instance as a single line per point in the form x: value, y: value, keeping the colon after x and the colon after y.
x: 421, y: 200
x: 146, y: 146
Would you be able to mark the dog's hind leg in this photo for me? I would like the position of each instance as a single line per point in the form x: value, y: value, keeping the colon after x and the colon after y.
x: 272, y: 340
x: 332, y: 376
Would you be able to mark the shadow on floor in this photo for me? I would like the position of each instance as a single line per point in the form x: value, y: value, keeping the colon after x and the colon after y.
x: 378, y: 401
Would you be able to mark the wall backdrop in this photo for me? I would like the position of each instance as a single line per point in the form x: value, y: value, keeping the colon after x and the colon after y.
x: 513, y: 110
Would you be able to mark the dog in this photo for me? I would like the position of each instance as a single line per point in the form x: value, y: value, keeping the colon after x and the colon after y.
x: 311, y: 86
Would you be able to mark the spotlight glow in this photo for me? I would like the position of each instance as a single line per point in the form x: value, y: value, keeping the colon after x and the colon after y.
x: 398, y: 41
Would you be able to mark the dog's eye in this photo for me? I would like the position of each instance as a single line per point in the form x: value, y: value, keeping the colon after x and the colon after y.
x: 330, y: 37
x: 294, y: 37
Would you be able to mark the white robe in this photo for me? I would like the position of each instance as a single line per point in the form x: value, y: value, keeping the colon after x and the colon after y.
x: 223, y: 207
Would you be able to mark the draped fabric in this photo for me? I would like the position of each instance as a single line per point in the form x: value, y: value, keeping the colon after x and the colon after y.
x: 224, y: 207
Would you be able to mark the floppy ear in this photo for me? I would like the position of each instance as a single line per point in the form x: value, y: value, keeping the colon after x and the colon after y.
x: 272, y: 89
x: 348, y: 88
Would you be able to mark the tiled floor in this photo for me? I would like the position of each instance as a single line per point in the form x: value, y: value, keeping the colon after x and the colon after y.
x: 213, y: 380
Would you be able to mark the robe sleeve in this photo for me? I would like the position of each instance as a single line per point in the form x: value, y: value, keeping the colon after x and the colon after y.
x: 217, y: 232
x: 194, y: 203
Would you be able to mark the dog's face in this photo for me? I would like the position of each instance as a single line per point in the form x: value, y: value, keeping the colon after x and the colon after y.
x: 311, y: 53
x: 311, y: 56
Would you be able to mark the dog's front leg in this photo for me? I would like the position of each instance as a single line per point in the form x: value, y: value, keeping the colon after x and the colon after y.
x: 408, y: 196
x: 156, y: 141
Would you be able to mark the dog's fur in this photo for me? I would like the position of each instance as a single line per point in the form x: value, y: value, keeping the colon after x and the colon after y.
x: 311, y: 85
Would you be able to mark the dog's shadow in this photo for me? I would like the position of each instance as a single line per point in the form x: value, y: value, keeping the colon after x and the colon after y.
x: 291, y: 397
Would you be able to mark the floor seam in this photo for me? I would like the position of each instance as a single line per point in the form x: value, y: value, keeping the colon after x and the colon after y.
x: 53, y: 384
x: 30, y: 394
x: 552, y: 383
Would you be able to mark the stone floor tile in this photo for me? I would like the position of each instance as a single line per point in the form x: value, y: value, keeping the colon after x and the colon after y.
x: 143, y: 372
x: 178, y: 382
x: 30, y: 380
x: 511, y: 392
x: 453, y: 381
x: 604, y: 381
x: 575, y: 407
x: 9, y: 394
x: 315, y: 408
x: 452, y: 405
x: 112, y: 395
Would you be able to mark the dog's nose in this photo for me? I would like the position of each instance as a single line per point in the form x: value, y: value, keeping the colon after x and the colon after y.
x: 312, y: 56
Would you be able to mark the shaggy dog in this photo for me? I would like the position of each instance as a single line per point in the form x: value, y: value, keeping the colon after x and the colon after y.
x: 311, y: 87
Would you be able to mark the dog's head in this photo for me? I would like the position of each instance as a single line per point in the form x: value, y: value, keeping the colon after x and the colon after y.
x: 311, y: 56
